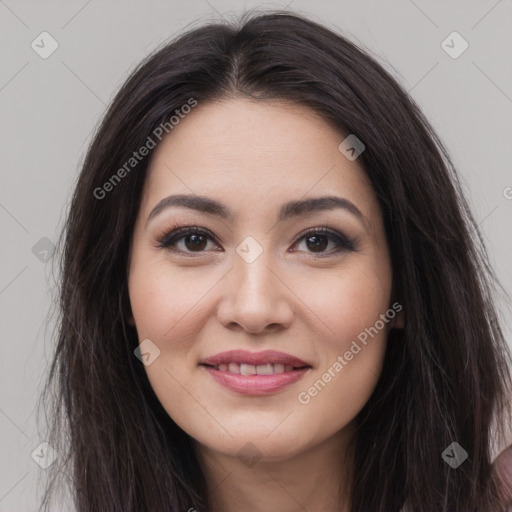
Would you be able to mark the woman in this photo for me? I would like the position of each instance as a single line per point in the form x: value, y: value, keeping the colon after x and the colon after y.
x: 274, y: 296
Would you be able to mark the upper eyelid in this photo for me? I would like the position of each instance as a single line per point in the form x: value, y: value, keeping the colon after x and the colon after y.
x: 320, y: 229
x: 180, y: 232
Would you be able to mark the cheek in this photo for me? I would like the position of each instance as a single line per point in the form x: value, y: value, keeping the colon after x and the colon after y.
x: 348, y: 303
x: 167, y: 308
x: 355, y: 315
x: 170, y: 308
x: 166, y: 303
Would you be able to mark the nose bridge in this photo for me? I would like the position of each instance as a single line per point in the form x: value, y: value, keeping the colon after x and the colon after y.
x: 255, y: 278
x: 255, y: 296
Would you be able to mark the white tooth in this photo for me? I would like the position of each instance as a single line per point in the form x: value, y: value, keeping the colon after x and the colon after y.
x: 234, y: 367
x: 288, y: 367
x: 223, y: 367
x: 247, y: 369
x: 278, y: 368
x: 265, y: 369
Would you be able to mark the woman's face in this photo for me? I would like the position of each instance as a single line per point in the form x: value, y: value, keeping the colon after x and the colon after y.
x: 307, y: 311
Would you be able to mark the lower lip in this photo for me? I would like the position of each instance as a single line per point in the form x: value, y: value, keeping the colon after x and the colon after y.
x: 255, y: 385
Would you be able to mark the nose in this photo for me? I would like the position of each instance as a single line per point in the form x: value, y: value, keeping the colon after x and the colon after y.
x: 256, y: 299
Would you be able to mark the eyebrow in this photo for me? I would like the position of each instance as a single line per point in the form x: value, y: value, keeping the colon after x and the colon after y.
x: 288, y: 210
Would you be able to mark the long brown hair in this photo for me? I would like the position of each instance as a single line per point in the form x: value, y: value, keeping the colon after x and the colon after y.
x: 445, y: 377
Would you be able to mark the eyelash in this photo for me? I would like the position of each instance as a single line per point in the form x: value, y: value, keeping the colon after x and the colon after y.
x: 176, y: 233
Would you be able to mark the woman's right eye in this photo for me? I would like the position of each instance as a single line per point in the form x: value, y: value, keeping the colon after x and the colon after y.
x: 192, y: 239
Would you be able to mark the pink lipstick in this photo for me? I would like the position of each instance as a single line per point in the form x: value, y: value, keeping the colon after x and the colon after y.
x: 255, y: 373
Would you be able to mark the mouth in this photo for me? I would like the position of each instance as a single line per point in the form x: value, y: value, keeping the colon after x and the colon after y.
x: 255, y: 373
x: 251, y: 369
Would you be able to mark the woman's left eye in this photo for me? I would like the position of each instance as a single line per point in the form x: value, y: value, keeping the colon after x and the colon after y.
x: 318, y: 240
x: 196, y: 239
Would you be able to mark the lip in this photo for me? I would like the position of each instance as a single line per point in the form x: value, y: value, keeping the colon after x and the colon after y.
x: 255, y: 358
x: 255, y: 385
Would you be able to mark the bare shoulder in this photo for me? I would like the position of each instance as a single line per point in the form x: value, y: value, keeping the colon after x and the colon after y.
x: 503, y: 471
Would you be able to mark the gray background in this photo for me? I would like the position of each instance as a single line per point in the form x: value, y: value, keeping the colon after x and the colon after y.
x: 50, y: 106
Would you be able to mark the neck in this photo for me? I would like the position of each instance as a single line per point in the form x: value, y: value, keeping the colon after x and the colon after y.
x: 318, y: 478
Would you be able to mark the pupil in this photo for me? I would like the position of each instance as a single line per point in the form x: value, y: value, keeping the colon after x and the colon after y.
x: 195, y: 241
x: 319, y: 242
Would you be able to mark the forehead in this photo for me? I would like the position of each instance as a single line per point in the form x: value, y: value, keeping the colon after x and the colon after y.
x: 254, y: 153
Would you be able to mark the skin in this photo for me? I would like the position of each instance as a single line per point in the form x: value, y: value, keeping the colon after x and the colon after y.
x: 503, y: 473
x: 253, y: 157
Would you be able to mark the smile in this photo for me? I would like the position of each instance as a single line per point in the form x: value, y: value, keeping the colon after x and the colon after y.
x: 250, y: 369
x: 255, y: 373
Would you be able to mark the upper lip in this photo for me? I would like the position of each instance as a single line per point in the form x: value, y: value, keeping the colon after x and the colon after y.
x: 254, y: 358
